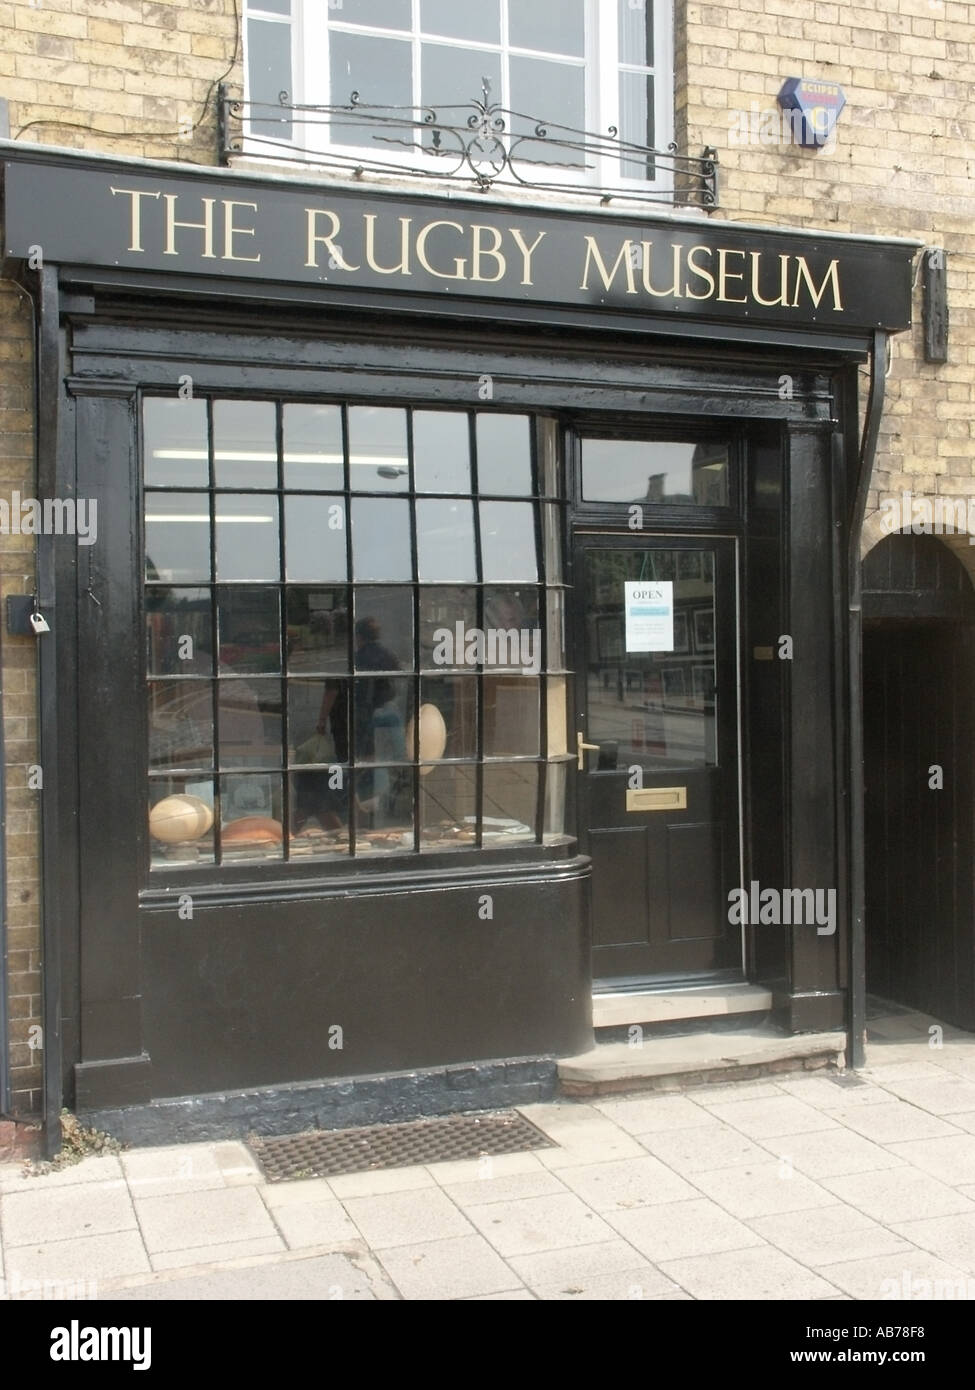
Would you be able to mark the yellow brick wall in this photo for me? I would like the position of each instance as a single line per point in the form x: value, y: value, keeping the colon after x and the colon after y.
x: 903, y: 165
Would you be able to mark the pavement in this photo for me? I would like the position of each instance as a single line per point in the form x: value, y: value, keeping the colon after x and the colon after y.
x: 809, y: 1185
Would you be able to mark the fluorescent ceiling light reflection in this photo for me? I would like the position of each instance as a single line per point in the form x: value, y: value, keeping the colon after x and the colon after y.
x: 229, y: 456
x: 221, y: 520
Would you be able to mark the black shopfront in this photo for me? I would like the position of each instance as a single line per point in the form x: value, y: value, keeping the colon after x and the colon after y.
x: 427, y: 671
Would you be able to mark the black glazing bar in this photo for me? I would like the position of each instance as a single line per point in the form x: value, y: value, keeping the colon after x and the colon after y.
x: 284, y: 686
x: 479, y: 622
x: 415, y: 595
x: 349, y: 702
x: 542, y: 609
x: 217, y: 758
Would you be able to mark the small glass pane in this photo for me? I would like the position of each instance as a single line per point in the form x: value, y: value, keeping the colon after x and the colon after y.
x: 556, y: 777
x: 550, y: 473
x: 375, y: 14
x: 381, y: 539
x: 180, y: 724
x: 654, y: 471
x: 636, y: 122
x: 380, y: 70
x: 383, y: 630
x: 448, y: 719
x: 178, y: 636
x: 512, y: 639
x: 548, y: 26
x: 448, y: 808
x: 318, y: 629
x: 249, y: 628
x: 557, y: 714
x: 384, y: 812
x: 382, y: 707
x: 508, y: 541
x: 480, y: 22
x: 635, y: 28
x: 250, y: 722
x: 510, y: 717
x: 247, y: 538
x: 314, y: 538
x: 250, y: 818
x: 441, y: 451
x: 445, y: 540
x: 510, y: 803
x: 452, y: 77
x: 320, y: 813
x: 378, y: 460
x: 268, y: 75
x: 552, y: 536
x: 446, y: 617
x: 174, y: 442
x: 504, y: 460
x: 313, y: 450
x: 272, y: 6
x: 180, y: 822
x: 177, y: 536
x: 555, y: 607
x: 245, y: 446
x: 556, y: 91
x: 318, y: 722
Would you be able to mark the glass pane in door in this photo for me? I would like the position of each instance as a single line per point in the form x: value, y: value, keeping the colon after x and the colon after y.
x: 651, y: 667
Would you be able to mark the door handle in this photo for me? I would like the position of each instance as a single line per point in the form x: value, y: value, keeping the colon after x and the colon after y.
x: 582, y: 749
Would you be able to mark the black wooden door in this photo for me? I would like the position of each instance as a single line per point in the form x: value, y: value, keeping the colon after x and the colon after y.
x: 658, y: 789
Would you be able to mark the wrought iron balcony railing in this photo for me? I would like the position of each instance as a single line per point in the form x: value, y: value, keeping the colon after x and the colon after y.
x: 481, y: 142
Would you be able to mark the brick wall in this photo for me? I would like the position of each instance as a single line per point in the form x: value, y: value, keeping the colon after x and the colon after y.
x: 903, y: 165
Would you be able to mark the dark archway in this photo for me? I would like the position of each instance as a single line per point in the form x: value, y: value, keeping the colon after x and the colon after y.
x: 919, y: 743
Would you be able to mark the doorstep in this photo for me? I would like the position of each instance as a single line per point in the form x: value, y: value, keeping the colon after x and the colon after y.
x: 675, y: 1005
x: 693, y: 1059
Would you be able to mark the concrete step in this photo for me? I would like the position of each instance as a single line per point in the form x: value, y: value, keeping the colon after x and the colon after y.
x: 672, y: 1006
x: 672, y: 1063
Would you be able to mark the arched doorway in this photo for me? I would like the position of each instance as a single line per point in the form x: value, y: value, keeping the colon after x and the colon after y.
x: 919, y: 721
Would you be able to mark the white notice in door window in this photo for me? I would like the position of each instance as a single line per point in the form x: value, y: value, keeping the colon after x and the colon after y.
x: 649, y: 615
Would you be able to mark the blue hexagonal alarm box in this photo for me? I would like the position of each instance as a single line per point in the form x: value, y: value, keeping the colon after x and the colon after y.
x: 818, y: 106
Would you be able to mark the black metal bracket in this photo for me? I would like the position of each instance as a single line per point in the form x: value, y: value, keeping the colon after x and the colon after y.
x: 481, y: 141
x: 935, y: 305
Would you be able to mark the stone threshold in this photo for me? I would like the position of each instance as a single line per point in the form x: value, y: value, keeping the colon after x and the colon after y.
x: 695, y: 1059
x: 674, y: 1005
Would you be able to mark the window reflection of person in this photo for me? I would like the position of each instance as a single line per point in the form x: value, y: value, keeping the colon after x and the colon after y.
x: 374, y: 709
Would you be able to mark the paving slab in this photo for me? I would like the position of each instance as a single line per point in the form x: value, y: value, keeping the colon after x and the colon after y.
x: 893, y: 1195
x: 374, y: 1184
x: 682, y: 1229
x: 406, y: 1218
x: 771, y: 1116
x: 826, y: 1234
x: 40, y: 1215
x: 185, y: 1220
x: 70, y: 1265
x: 627, y: 1286
x: 892, y: 1122
x: 327, y: 1277
x: 950, y: 1238
x: 181, y: 1168
x: 911, y: 1276
x: 306, y: 1217
x: 945, y: 1094
x: 760, y: 1189
x: 538, y: 1223
x: 831, y: 1153
x: 653, y: 1114
x: 219, y: 1252
x: 463, y: 1267
x: 626, y: 1183
x: 952, y: 1159
x: 582, y: 1262
x: 764, y: 1274
x: 538, y: 1182
x: 17, y: 1177
x: 713, y: 1145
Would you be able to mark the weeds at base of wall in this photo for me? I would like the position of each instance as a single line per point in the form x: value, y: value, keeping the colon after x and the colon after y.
x: 76, y: 1143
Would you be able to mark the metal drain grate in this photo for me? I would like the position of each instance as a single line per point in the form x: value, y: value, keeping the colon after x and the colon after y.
x: 327, y: 1153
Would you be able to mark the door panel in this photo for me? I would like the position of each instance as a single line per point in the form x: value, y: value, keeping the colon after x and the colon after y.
x: 657, y: 703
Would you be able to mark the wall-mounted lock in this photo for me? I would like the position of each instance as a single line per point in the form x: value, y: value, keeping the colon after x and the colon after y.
x: 38, y: 622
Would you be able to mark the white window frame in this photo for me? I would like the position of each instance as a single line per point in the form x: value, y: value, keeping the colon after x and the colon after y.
x: 310, y: 25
